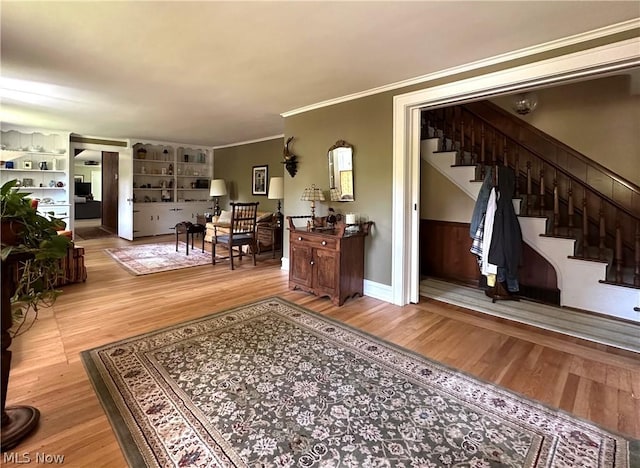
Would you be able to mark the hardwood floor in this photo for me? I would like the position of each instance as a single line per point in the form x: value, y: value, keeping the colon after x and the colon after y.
x: 588, y: 380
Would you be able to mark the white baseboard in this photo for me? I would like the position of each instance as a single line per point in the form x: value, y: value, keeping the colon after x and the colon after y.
x: 378, y: 291
x: 371, y: 288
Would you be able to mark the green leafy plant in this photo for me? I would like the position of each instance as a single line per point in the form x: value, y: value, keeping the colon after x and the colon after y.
x: 27, y: 232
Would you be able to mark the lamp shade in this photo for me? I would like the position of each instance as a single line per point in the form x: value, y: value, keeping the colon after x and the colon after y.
x: 312, y: 193
x: 217, y: 188
x: 276, y: 188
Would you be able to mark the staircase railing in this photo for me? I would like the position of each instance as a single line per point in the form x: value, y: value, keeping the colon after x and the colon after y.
x: 580, y: 198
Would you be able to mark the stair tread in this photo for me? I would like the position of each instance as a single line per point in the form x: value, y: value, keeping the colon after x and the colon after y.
x: 624, y: 285
x: 597, y: 260
x: 558, y: 236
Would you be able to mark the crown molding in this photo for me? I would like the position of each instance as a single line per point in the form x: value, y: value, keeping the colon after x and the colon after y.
x: 248, y: 142
x: 517, y: 54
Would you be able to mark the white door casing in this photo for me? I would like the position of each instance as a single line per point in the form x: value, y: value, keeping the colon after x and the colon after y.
x: 125, y: 183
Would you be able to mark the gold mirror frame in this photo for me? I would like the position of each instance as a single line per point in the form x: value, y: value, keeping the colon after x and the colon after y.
x: 340, y: 158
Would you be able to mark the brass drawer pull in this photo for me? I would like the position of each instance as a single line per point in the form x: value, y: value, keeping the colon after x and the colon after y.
x: 299, y: 238
x: 324, y: 242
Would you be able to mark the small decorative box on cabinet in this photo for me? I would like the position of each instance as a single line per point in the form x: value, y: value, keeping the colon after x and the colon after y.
x: 327, y: 262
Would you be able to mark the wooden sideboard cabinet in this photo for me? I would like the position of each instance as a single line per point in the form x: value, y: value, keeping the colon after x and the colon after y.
x: 327, y: 262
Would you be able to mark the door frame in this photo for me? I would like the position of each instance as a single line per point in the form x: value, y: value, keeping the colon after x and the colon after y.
x: 405, y: 277
x: 125, y: 219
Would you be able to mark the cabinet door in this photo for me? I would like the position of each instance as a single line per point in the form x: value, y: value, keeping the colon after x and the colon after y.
x: 301, y: 266
x: 326, y: 274
x: 168, y: 216
x: 143, y: 221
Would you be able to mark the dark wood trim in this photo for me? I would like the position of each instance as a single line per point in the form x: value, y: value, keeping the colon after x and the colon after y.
x: 97, y: 141
x: 444, y: 254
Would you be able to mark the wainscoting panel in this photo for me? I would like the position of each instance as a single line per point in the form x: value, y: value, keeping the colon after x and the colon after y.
x: 444, y: 254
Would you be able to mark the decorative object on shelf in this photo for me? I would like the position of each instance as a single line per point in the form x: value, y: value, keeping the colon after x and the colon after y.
x: 141, y: 153
x: 43, y: 166
x: 259, y: 180
x: 340, y: 158
x: 312, y: 194
x: 170, y: 169
x: 290, y: 160
x: 276, y: 192
x: 8, y: 165
x: 27, y: 165
x: 217, y: 189
x: 350, y: 218
x: 165, y: 155
x: 525, y: 103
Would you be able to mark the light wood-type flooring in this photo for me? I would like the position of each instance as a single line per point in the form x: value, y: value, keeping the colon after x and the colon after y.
x: 588, y: 380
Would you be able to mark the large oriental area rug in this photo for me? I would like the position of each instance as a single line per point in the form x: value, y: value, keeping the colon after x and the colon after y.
x: 145, y: 259
x: 272, y: 384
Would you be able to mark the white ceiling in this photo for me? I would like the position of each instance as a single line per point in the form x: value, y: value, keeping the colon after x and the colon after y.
x: 215, y: 73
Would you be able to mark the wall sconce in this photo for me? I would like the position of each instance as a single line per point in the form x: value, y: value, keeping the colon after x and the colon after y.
x: 524, y: 103
x: 217, y: 189
x: 312, y: 194
x: 276, y: 192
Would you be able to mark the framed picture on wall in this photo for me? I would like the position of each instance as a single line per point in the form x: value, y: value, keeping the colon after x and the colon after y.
x: 259, y: 180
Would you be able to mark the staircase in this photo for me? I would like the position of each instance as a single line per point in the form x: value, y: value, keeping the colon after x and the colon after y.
x: 591, y: 275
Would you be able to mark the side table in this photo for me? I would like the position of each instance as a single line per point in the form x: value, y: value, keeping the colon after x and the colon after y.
x: 189, y: 229
x: 269, y: 234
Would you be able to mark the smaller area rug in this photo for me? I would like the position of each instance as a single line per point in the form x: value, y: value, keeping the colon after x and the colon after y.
x: 271, y: 384
x: 145, y: 259
x: 93, y: 232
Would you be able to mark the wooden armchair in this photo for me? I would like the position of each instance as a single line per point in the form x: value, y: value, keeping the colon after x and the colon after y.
x: 240, y: 232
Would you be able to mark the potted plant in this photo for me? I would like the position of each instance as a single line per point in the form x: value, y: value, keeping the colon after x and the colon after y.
x: 25, y: 231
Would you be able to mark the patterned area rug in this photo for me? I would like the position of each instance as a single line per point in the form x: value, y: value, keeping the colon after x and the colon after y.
x: 145, y: 259
x: 272, y: 384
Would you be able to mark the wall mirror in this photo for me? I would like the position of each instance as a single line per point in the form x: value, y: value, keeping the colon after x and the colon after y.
x: 341, y: 171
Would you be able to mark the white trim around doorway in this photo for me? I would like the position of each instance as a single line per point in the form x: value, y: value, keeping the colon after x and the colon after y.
x: 406, y: 136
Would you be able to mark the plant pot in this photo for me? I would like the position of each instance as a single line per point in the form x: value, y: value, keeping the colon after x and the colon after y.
x: 10, y: 231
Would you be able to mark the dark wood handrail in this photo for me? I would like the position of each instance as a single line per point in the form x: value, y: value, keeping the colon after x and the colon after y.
x: 632, y: 187
x: 555, y: 142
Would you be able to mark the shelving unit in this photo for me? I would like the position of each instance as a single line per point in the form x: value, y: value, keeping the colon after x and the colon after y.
x: 170, y: 185
x: 40, y: 163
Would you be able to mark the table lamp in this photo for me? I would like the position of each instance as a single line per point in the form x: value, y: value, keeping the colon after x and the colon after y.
x: 276, y: 192
x: 217, y: 189
x: 312, y: 194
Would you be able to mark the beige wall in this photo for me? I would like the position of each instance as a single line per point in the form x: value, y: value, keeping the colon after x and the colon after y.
x: 599, y: 118
x: 441, y: 199
x: 234, y: 165
x: 366, y: 124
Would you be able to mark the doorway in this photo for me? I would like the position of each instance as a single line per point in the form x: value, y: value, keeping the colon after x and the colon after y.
x: 406, y: 140
x: 95, y: 198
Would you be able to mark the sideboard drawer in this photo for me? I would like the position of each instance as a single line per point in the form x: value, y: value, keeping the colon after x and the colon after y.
x: 314, y: 241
